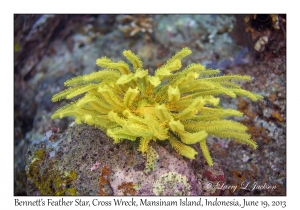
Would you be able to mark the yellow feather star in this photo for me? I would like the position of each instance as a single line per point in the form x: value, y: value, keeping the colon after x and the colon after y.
x: 178, y: 106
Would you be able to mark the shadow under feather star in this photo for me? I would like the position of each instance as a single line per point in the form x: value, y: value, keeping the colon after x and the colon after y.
x: 178, y: 106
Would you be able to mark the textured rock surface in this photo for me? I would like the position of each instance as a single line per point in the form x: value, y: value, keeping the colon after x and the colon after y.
x: 82, y: 160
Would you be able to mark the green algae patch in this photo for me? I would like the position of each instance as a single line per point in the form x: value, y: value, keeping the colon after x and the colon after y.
x: 47, y: 179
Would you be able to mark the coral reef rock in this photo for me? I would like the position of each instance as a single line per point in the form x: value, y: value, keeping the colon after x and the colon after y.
x: 82, y: 160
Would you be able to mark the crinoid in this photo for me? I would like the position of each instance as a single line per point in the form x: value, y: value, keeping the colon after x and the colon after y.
x: 175, y: 105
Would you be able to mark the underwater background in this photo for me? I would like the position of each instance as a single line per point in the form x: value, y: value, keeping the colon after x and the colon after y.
x: 50, y: 49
